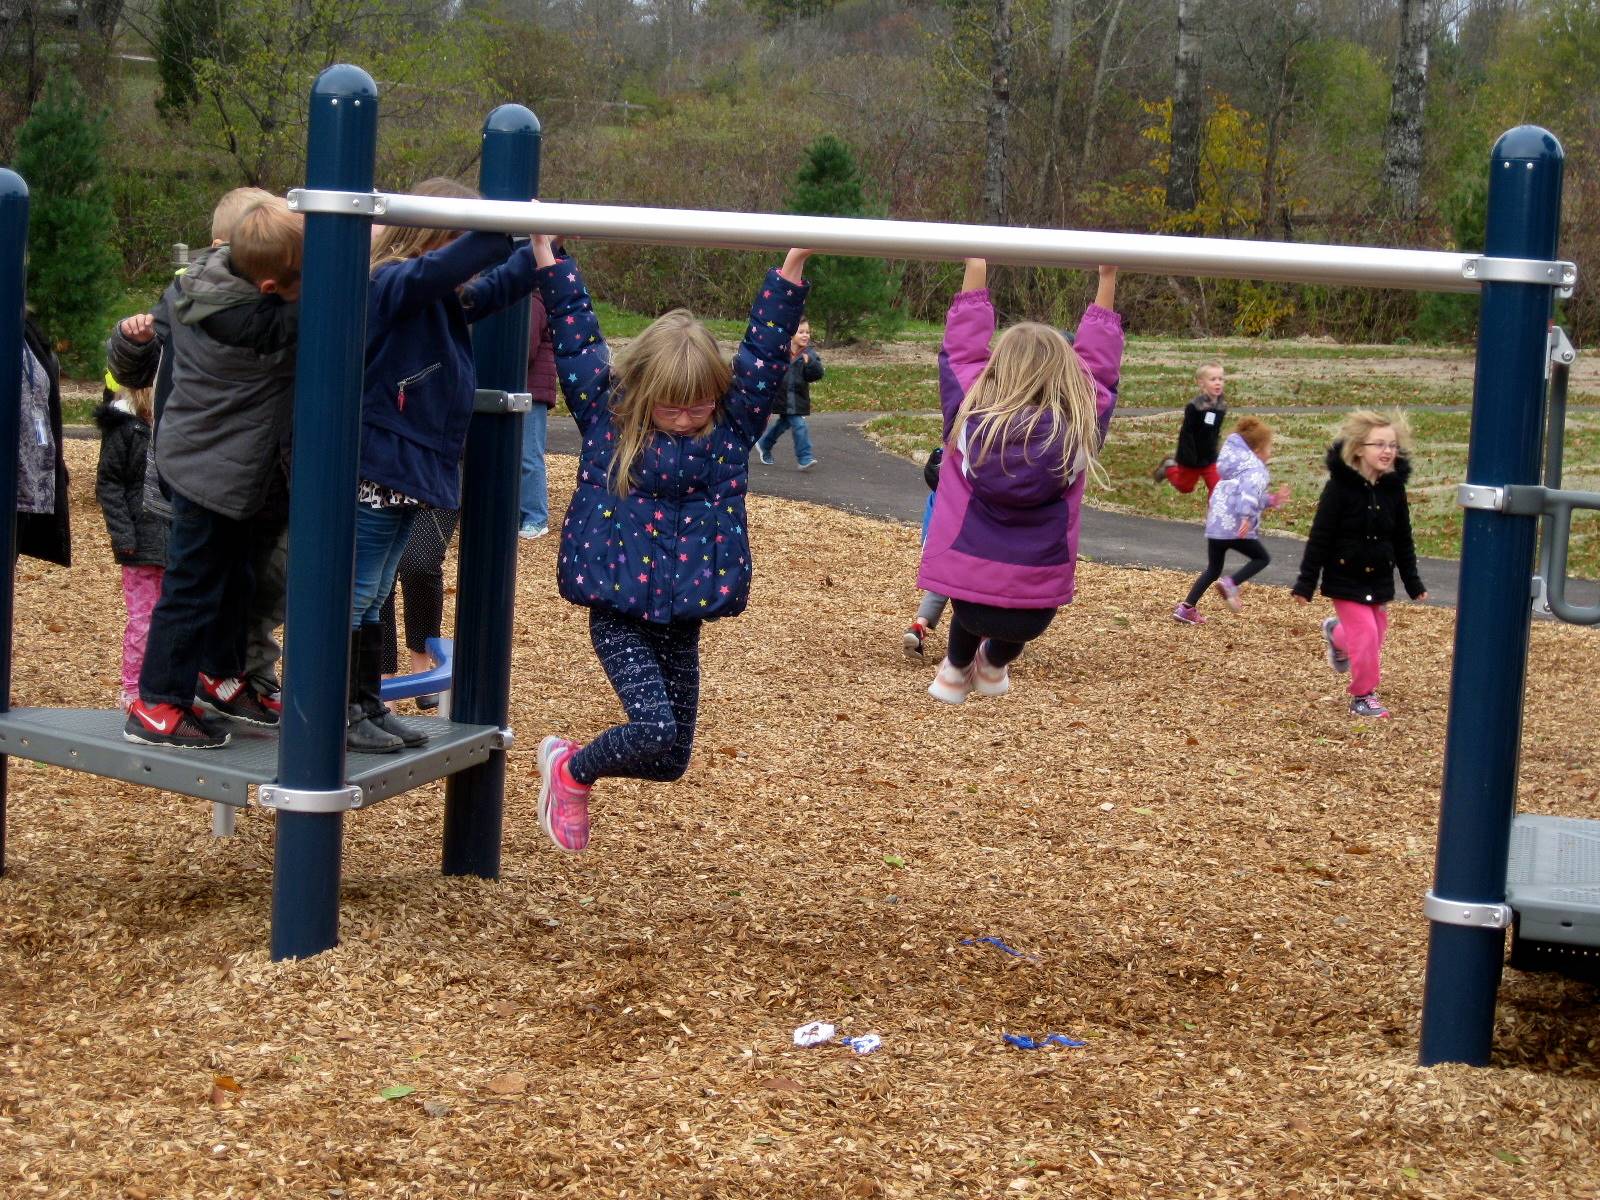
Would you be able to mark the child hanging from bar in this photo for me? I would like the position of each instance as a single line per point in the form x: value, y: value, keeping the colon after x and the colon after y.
x: 1023, y: 424
x: 654, y: 543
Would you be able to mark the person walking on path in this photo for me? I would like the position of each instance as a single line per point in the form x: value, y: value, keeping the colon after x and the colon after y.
x: 1359, y: 537
x: 805, y: 368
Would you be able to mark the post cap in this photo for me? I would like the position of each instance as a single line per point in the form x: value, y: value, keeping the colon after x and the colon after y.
x: 12, y: 186
x: 1529, y: 142
x: 511, y: 118
x: 344, y: 80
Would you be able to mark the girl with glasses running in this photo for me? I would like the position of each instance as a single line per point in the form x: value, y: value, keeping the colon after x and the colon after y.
x: 654, y: 543
x: 1361, y: 533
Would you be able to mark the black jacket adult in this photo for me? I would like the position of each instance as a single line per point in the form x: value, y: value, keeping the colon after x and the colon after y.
x: 1361, y: 533
x: 48, y: 535
x: 138, y: 537
x: 1201, y: 432
x: 797, y: 381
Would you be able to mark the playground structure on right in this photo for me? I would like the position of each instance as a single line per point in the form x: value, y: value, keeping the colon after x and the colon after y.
x: 1547, y: 891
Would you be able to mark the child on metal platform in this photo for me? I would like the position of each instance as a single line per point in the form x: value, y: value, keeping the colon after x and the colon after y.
x: 1360, y: 535
x: 1233, y: 517
x: 1023, y: 425
x: 138, y: 537
x: 654, y: 543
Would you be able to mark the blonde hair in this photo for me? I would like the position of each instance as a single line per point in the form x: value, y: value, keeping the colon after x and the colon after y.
x: 1214, y: 365
x: 231, y: 207
x: 142, y: 401
x: 674, y: 362
x: 267, y: 243
x: 1257, y: 434
x: 1357, y: 427
x: 1033, y: 373
x: 396, y: 243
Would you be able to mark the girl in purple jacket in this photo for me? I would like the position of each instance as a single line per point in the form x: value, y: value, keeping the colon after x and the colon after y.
x: 1023, y: 425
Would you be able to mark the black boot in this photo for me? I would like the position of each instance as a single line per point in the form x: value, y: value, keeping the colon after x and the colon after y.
x: 371, y: 694
x: 361, y: 735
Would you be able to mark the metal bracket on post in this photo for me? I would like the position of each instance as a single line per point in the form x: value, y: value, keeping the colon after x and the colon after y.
x: 1466, y: 913
x: 1514, y: 499
x: 493, y: 400
x: 1562, y: 352
x: 270, y: 795
x: 348, y: 204
x: 1559, y: 274
x: 503, y: 739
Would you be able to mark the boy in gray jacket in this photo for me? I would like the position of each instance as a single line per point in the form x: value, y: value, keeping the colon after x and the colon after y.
x: 220, y: 448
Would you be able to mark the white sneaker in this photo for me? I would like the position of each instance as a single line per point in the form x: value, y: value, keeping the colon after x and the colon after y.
x: 951, y: 684
x: 764, y: 455
x: 988, y: 679
x: 528, y: 532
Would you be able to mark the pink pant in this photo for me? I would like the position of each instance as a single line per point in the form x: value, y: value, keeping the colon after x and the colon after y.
x: 1360, y: 635
x: 141, y: 588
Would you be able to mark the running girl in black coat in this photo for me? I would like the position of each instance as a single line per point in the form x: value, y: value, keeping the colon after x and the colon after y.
x: 1361, y: 533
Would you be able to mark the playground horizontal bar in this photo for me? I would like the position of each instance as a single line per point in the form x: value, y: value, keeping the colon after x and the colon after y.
x: 1294, y: 262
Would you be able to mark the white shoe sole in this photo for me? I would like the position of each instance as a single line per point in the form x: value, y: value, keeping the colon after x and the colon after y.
x: 912, y: 645
x: 942, y: 691
x: 1332, y: 655
x: 994, y: 687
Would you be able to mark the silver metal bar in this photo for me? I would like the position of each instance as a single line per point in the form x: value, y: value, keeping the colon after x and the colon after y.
x: 1477, y: 495
x: 1462, y: 912
x: 270, y: 795
x: 1295, y: 262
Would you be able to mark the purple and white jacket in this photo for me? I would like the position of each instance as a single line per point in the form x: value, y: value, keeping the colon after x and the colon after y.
x: 1241, y: 491
x: 1005, y: 531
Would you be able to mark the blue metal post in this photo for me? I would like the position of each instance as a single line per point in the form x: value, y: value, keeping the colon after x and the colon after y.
x: 486, y: 582
x: 13, y: 293
x: 1492, y: 615
x: 341, y: 149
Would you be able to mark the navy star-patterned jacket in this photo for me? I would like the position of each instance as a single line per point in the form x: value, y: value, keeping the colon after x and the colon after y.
x: 675, y: 548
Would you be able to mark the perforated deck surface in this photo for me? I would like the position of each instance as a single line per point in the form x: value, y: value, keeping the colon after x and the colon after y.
x: 1553, y: 879
x: 91, y: 740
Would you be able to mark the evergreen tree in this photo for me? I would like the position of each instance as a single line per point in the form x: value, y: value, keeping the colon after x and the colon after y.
x: 847, y: 294
x: 74, y: 269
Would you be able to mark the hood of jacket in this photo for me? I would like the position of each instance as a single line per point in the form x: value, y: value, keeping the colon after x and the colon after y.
x: 1020, y: 473
x: 109, y: 415
x: 1236, y: 458
x: 209, y: 287
x: 1344, y: 473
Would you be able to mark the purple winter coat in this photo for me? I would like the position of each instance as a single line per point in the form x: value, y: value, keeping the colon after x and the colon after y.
x: 1005, y: 532
x: 1241, y: 491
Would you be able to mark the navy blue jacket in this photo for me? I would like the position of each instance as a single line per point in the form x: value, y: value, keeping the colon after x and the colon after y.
x: 416, y: 399
x: 675, y: 548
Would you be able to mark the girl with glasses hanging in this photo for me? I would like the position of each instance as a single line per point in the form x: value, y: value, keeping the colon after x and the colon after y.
x: 654, y: 542
x: 1360, y: 535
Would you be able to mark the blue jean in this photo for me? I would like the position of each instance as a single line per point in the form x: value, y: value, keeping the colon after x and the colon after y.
x: 381, y: 535
x: 802, y: 437
x: 535, y: 501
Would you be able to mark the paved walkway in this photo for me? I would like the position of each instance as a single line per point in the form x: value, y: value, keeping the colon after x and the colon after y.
x: 854, y: 475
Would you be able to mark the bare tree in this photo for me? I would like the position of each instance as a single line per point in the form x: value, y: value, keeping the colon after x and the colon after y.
x: 1402, y: 142
x: 1183, y: 168
x: 998, y: 115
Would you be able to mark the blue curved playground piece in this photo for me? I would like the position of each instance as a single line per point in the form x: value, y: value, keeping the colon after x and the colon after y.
x: 423, y: 683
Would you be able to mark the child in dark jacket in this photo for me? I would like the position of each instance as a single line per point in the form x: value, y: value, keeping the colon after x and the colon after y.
x: 220, y: 447
x: 1023, y: 426
x: 1360, y: 535
x: 416, y: 404
x: 138, y: 538
x: 654, y: 543
x: 1199, y: 435
x: 791, y: 411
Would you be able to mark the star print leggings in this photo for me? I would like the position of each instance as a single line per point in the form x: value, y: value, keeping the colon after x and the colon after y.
x: 655, y: 670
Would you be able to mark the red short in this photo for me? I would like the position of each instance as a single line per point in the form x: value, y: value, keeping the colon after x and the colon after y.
x: 1184, y: 478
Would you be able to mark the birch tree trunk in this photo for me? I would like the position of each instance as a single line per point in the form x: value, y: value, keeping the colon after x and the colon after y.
x: 1063, y: 14
x: 998, y: 120
x: 1402, y: 142
x: 1098, y: 90
x: 1183, y: 169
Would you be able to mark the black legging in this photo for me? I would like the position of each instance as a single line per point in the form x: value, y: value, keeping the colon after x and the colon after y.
x: 1008, y: 631
x: 1216, y: 550
x: 421, y: 575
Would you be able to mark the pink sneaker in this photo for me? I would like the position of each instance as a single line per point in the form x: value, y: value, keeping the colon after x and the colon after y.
x: 987, y: 679
x: 1230, y: 593
x: 951, y: 684
x: 1187, y: 614
x: 563, y: 801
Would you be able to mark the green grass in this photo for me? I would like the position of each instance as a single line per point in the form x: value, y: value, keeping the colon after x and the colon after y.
x: 1439, y: 464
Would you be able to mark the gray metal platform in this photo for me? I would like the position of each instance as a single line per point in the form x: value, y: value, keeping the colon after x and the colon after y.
x: 91, y: 740
x: 1553, y: 884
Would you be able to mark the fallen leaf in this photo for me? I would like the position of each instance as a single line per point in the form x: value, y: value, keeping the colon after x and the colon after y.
x: 511, y: 1084
x: 435, y: 1108
x: 781, y: 1083
x: 226, y: 1082
x: 503, y: 1008
x: 398, y: 1091
x: 894, y: 860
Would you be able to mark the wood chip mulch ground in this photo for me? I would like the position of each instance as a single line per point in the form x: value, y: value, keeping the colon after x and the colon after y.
x: 1212, y: 874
